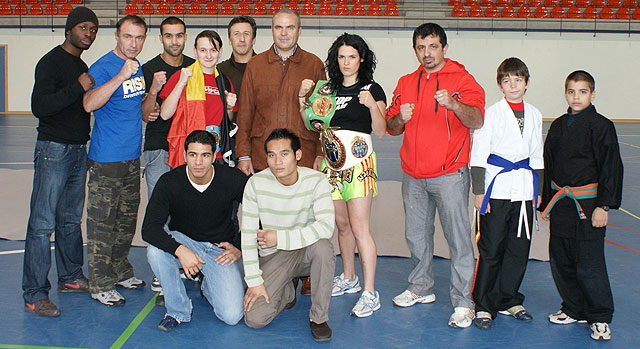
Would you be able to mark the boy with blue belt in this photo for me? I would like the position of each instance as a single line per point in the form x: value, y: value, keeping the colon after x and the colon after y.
x: 506, y: 162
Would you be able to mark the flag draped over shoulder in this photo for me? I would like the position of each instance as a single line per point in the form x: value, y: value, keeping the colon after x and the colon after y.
x: 189, y: 115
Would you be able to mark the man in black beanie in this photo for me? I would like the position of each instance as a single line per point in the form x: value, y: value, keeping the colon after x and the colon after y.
x: 60, y: 164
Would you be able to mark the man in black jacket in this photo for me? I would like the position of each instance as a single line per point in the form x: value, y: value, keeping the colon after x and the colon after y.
x: 200, y: 237
x: 60, y: 166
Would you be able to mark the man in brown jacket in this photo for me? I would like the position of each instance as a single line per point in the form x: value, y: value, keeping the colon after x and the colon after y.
x: 269, y: 96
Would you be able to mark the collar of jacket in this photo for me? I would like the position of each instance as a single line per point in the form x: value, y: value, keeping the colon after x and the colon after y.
x: 274, y: 58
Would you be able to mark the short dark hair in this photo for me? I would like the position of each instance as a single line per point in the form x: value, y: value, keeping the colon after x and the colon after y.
x: 512, y: 66
x: 135, y: 20
x: 202, y: 137
x: 172, y: 20
x: 212, y: 36
x: 243, y: 19
x: 429, y: 29
x: 581, y: 75
x: 283, y: 133
x: 368, y: 65
x: 288, y: 11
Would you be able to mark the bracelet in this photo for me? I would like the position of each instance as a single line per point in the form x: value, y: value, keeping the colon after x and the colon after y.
x: 301, y: 96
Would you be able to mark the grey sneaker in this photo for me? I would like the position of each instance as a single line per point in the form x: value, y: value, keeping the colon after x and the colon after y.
x: 561, y: 318
x: 462, y: 317
x: 155, y: 285
x: 367, y: 304
x: 131, y: 283
x: 110, y: 298
x: 342, y: 285
x: 408, y: 298
x: 600, y: 331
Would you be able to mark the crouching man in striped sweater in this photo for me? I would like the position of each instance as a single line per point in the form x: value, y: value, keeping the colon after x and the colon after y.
x: 287, y: 219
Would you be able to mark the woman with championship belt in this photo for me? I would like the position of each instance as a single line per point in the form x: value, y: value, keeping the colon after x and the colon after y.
x: 345, y: 110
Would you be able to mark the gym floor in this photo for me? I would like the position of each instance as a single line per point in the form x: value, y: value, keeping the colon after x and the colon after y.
x: 85, y: 323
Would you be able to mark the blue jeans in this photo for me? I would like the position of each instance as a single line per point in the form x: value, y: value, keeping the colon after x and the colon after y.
x: 449, y: 193
x: 57, y: 200
x: 222, y: 286
x: 155, y: 165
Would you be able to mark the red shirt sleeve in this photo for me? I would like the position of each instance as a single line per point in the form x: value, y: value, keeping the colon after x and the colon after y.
x: 170, y: 85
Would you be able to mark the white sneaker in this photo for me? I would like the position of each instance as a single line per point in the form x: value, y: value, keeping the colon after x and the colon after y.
x: 408, y: 298
x: 561, y: 318
x: 366, y: 305
x: 600, y: 330
x: 342, y: 285
x: 110, y: 298
x: 131, y: 283
x: 462, y: 317
x: 155, y: 285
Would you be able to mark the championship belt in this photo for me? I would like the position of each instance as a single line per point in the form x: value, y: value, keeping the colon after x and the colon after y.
x: 320, y: 107
x: 344, y: 149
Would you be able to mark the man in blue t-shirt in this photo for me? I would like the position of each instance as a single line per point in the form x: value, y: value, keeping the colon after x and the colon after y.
x: 114, y: 162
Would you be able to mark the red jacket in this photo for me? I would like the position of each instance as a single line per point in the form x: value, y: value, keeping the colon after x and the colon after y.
x: 435, y: 141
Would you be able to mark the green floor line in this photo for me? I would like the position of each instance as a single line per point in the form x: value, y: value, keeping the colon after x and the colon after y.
x: 135, y: 323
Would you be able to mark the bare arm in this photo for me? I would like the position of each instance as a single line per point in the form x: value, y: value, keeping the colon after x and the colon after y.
x: 96, y: 98
x: 469, y: 116
x: 377, y: 110
x: 149, y: 105
x: 170, y: 104
x: 396, y: 123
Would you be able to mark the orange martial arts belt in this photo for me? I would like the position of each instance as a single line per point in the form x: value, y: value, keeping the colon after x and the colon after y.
x: 588, y: 191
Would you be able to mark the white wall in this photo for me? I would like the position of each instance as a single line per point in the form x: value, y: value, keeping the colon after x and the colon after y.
x: 611, y: 58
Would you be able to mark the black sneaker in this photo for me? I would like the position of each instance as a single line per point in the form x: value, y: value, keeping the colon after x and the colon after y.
x: 42, y: 307
x: 168, y: 323
x: 78, y: 285
x: 320, y: 332
x: 160, y: 299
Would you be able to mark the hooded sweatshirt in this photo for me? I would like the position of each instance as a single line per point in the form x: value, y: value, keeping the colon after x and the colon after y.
x: 435, y: 141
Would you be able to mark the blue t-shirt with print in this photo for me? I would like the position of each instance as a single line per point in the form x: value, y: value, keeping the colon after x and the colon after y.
x: 117, y: 130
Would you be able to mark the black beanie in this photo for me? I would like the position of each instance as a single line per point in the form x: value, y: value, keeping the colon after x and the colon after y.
x: 78, y: 15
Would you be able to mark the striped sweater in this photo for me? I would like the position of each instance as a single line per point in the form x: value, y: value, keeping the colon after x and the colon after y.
x: 301, y: 214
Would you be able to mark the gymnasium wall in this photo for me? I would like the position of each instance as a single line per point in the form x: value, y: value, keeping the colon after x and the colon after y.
x: 611, y: 58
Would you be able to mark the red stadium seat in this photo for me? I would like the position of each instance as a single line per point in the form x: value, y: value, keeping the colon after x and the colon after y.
x: 391, y: 11
x: 76, y: 2
x: 5, y: 9
x: 275, y: 7
x: 178, y: 9
x: 325, y: 10
x: 550, y: 3
x: 35, y: 10
x: 607, y: 13
x: 518, y: 3
x: 471, y: 2
x: 260, y: 9
x: 590, y: 13
x: 502, y: 3
x: 163, y: 8
x: 582, y: 3
x: 358, y: 10
x: 357, y: 2
x: 342, y: 10
x: 372, y: 2
x: 131, y: 9
x: 475, y: 11
x: 629, y: 3
x: 374, y: 10
x: 535, y: 3
x: 623, y: 13
x: 293, y: 7
x: 194, y: 9
x: 524, y: 12
x: 211, y: 8
x: 574, y: 12
x: 243, y: 9
x: 486, y: 3
x: 20, y: 9
x: 636, y: 14
x: 541, y: 12
x: 146, y: 9
x: 226, y: 9
x: 29, y: 2
x: 65, y: 9
x: 557, y: 12
x: 455, y: 2
x: 308, y: 9
x: 565, y: 3
x: 51, y: 9
x: 599, y: 3
x: 508, y: 12
x: 614, y: 3
x: 458, y: 11
x: 42, y: 2
x: 491, y: 11
x: 389, y: 2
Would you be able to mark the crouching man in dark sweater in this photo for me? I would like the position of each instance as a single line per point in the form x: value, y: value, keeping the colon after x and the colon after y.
x: 198, y: 197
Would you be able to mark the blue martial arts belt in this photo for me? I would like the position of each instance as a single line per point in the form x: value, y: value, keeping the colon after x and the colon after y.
x: 508, y: 166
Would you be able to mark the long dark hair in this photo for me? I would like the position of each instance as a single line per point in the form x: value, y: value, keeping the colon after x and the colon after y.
x: 367, y: 66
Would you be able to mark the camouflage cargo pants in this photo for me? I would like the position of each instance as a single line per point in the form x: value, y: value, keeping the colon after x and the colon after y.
x: 112, y: 212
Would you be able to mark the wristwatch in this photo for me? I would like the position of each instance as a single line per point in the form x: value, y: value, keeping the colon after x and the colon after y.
x: 605, y: 208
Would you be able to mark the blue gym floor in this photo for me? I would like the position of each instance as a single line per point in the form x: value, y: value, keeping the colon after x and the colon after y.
x: 85, y: 323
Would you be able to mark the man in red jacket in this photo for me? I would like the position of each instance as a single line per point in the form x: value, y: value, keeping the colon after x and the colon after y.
x: 435, y: 107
